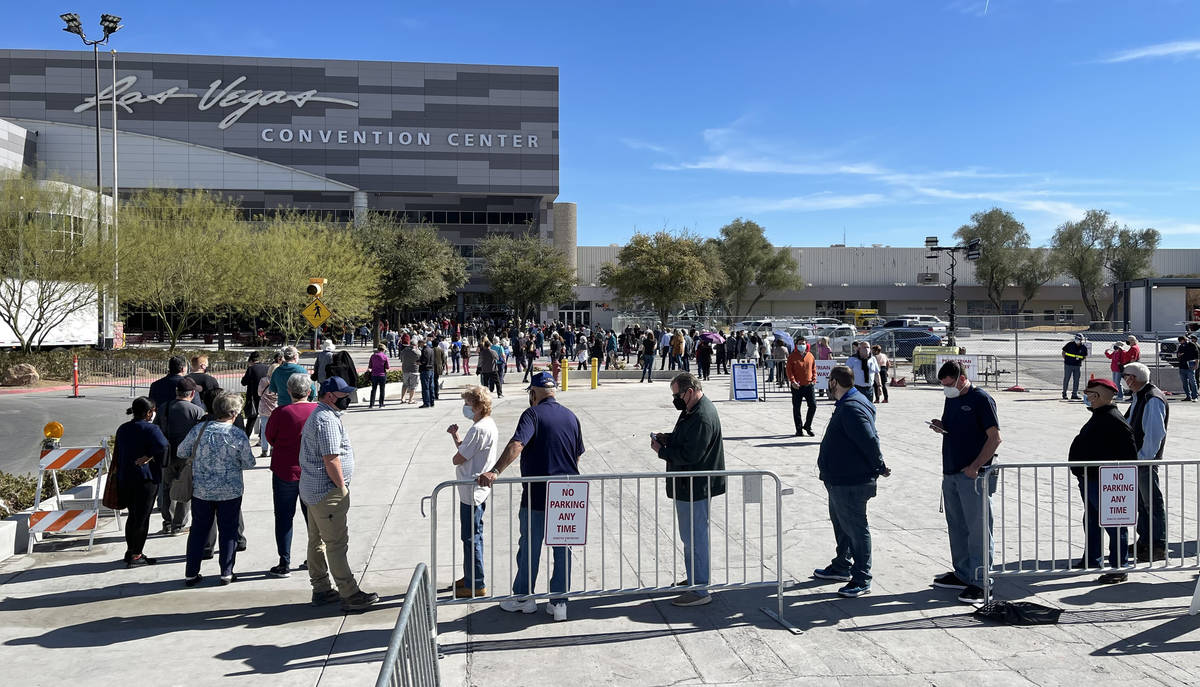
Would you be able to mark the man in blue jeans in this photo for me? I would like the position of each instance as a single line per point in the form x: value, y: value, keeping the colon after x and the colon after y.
x: 694, y: 445
x: 849, y: 463
x: 549, y: 441
x: 970, y: 435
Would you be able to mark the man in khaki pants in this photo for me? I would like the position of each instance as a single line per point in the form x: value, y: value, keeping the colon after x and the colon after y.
x: 326, y: 467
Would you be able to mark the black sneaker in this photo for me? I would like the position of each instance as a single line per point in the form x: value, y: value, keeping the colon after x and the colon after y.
x: 1112, y: 578
x: 280, y: 570
x: 192, y: 581
x: 949, y: 581
x: 971, y: 595
x: 359, y: 601
x: 827, y: 574
x: 228, y: 579
x: 326, y: 597
x: 138, y: 561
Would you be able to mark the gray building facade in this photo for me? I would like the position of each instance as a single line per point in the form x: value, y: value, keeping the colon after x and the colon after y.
x: 470, y: 148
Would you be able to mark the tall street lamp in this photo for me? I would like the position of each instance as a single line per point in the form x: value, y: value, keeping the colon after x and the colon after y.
x: 973, y: 252
x: 110, y: 24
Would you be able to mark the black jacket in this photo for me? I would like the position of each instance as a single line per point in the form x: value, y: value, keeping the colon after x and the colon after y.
x: 1105, y: 436
x: 250, y: 380
x: 850, y: 451
x: 694, y: 445
x: 1186, y: 351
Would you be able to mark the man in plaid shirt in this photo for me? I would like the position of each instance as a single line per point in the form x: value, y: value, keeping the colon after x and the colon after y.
x: 326, y: 467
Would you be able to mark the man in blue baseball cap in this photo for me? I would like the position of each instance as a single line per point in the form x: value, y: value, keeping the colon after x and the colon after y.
x: 549, y: 441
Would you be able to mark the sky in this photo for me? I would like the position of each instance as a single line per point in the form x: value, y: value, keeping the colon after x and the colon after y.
x: 825, y: 121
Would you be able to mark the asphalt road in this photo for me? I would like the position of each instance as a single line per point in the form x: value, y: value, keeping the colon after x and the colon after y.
x: 85, y: 421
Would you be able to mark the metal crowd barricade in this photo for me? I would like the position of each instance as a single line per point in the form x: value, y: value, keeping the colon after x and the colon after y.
x: 633, y: 546
x: 1039, y: 520
x: 135, y: 374
x: 412, y: 654
x: 772, y: 379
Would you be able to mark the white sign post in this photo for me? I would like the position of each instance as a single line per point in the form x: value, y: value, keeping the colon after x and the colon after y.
x: 566, y: 513
x: 970, y: 364
x: 745, y: 382
x: 1118, y: 496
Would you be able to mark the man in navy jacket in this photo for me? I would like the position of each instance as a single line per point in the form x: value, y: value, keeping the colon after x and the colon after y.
x: 849, y: 463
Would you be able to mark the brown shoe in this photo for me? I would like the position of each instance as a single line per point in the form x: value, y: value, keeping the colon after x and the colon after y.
x: 464, y: 593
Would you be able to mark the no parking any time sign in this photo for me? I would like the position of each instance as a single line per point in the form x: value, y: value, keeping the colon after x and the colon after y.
x: 566, y: 513
x: 1118, y: 496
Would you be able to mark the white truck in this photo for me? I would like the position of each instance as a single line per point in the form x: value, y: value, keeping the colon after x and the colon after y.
x: 69, y: 314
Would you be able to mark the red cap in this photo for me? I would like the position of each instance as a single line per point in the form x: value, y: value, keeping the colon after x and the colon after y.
x: 1106, y: 383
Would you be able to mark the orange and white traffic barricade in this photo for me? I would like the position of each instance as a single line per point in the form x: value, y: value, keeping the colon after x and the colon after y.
x: 63, y: 520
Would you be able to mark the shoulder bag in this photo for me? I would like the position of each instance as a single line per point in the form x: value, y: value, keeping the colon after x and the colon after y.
x: 112, y: 492
x: 181, y: 486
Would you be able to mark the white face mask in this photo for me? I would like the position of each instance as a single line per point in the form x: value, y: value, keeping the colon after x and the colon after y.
x: 951, y: 391
x: 469, y: 412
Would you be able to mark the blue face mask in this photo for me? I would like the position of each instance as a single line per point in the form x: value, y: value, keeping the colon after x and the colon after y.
x: 469, y: 413
x: 1087, y: 402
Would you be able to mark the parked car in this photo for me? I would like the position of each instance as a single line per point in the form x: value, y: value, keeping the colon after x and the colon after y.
x: 840, y: 337
x: 825, y: 321
x: 801, y: 332
x: 903, y: 340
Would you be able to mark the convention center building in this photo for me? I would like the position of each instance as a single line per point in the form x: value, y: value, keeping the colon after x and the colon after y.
x: 472, y: 149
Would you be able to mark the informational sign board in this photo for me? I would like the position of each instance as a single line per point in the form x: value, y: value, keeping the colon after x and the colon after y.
x: 745, y: 382
x: 1118, y: 496
x: 316, y: 313
x: 823, y: 369
x: 566, y: 513
x: 970, y: 363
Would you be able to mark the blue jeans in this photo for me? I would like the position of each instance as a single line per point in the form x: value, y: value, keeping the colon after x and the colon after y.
x: 1117, y: 380
x: 529, y: 554
x: 693, y: 532
x: 1071, y: 374
x: 852, y: 536
x: 285, y: 495
x: 203, y: 513
x: 964, y: 525
x: 1118, y: 537
x: 647, y: 368
x: 1188, y: 379
x: 470, y: 518
x: 427, y: 387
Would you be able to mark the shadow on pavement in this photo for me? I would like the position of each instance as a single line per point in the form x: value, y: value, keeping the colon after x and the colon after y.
x: 555, y: 642
x: 1068, y: 617
x: 81, y: 568
x: 345, y: 648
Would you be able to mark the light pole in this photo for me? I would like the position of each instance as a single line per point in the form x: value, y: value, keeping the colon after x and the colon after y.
x: 110, y: 24
x: 971, y: 248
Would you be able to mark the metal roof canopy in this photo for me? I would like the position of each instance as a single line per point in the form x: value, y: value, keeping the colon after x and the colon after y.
x: 1149, y: 284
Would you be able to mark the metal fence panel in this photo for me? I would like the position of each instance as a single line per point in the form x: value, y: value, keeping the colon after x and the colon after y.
x: 632, y: 545
x: 412, y: 654
x: 1039, y: 521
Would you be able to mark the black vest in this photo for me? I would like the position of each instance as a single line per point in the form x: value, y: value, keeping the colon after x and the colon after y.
x: 1135, y: 422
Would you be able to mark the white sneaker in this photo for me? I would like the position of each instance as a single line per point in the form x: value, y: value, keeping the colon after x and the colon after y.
x: 558, y: 610
x: 513, y: 606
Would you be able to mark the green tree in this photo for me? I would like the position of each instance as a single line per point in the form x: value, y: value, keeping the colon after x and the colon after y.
x: 524, y: 271
x: 1080, y: 250
x: 52, y: 259
x: 661, y: 271
x: 187, y: 256
x: 1035, y: 269
x: 416, y: 266
x: 1004, y: 243
x: 751, y: 265
x: 299, y: 248
x: 1097, y: 252
x: 1129, y: 258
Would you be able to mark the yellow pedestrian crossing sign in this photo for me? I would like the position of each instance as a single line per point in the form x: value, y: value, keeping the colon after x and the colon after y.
x: 316, y: 313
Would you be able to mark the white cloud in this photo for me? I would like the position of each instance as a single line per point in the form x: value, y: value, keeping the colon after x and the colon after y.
x: 638, y: 144
x: 1176, y: 49
x: 741, y: 162
x: 806, y: 203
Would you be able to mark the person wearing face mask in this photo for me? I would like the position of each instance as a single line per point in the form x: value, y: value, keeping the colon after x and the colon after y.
x: 849, y: 462
x: 326, y: 468
x: 476, y: 455
x: 1148, y: 415
x: 865, y: 369
x: 694, y: 445
x: 1073, y: 353
x: 970, y: 435
x: 1105, y: 436
x: 801, y: 370
x: 549, y: 441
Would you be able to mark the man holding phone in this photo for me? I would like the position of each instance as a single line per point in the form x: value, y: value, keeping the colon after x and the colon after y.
x: 694, y: 445
x: 970, y: 435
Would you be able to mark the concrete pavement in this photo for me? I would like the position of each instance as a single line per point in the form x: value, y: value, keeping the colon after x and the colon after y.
x: 100, y: 619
